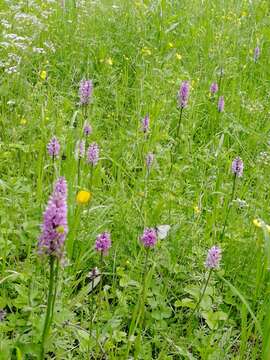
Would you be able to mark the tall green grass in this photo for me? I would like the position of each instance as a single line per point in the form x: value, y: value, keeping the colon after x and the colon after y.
x: 137, y: 54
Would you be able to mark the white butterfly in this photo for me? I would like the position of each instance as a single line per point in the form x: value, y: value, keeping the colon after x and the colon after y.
x: 162, y: 231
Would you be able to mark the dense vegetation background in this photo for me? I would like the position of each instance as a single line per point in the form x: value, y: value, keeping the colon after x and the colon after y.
x: 137, y: 54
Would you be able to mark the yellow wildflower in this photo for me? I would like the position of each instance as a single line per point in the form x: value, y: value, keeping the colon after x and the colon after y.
x: 178, y: 56
x: 83, y: 197
x: 197, y: 210
x: 109, y: 61
x: 146, y: 51
x: 23, y: 121
x: 258, y: 223
x: 43, y: 75
x: 170, y: 44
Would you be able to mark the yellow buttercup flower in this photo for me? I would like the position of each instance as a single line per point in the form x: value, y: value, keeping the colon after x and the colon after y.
x: 83, y: 197
x: 23, y: 121
x: 146, y: 51
x: 197, y: 210
x: 258, y: 223
x: 109, y: 61
x: 43, y: 75
x: 170, y: 44
x: 178, y: 56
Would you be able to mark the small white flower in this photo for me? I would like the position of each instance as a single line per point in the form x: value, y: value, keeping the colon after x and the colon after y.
x: 11, y: 70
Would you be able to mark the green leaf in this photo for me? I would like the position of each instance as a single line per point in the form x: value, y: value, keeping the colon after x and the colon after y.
x: 244, y: 301
x: 126, y: 281
x: 18, y: 354
x: 206, y: 302
x: 180, y: 350
x: 267, y: 245
x: 212, y: 318
x: 186, y: 302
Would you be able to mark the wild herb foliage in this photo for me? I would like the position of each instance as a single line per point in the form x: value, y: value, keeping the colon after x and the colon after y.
x: 155, y: 114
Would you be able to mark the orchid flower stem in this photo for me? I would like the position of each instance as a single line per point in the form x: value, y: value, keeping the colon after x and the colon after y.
x: 202, y: 293
x: 49, y: 311
x: 228, y: 208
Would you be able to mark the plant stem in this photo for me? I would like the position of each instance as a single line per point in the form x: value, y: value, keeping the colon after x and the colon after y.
x: 53, y: 166
x: 99, y: 295
x: 228, y: 208
x: 79, y: 172
x: 202, y: 294
x: 72, y: 243
x: 179, y: 123
x: 49, y: 308
x: 220, y: 79
x: 144, y: 284
x: 85, y: 112
x: 139, y: 309
x: 144, y: 196
x: 56, y: 273
x: 91, y: 310
x: 91, y: 176
x: 101, y: 271
x: 175, y: 148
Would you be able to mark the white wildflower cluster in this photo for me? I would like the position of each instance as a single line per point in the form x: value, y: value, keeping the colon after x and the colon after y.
x: 263, y: 158
x: 50, y: 46
x: 5, y: 24
x: 38, y: 50
x: 11, y: 70
x: 27, y: 23
x: 250, y: 105
x: 240, y: 203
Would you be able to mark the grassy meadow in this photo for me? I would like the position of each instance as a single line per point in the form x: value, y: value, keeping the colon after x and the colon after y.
x: 127, y: 299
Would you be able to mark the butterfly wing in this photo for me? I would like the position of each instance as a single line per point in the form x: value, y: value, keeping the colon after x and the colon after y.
x: 162, y: 231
